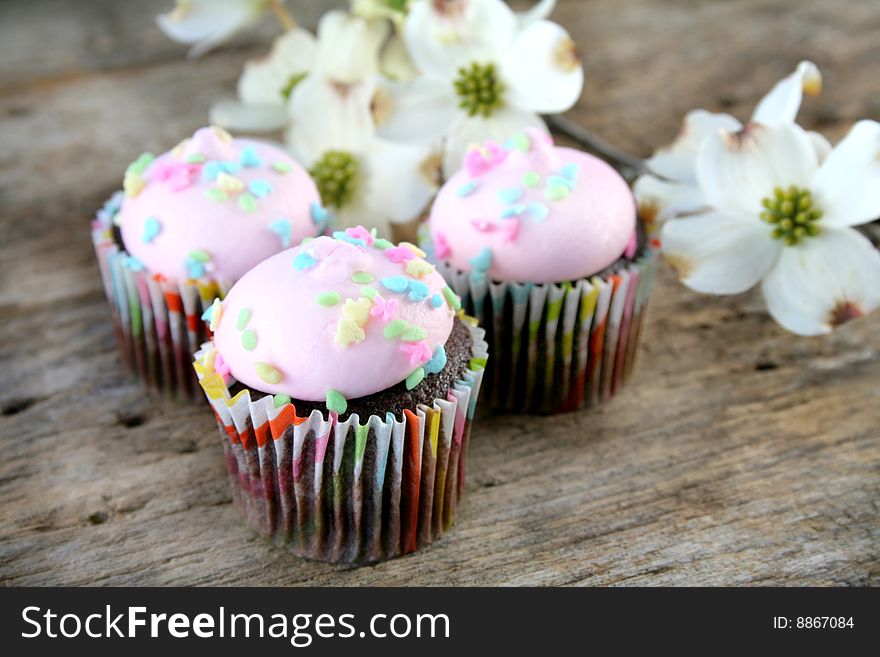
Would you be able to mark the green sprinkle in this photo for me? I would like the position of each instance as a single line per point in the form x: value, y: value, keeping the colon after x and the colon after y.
x: 244, y: 316
x: 217, y: 194
x: 451, y: 298
x: 336, y: 402
x: 382, y: 244
x: 249, y: 340
x: 521, y: 142
x: 328, y: 298
x: 362, y: 277
x: 282, y: 167
x: 369, y: 292
x: 195, y: 158
x: 281, y: 400
x: 268, y: 373
x: 395, y: 328
x: 307, y: 240
x: 531, y: 179
x: 199, y: 256
x: 247, y: 203
x: 556, y: 192
x: 140, y: 165
x: 415, y: 378
x: 414, y: 334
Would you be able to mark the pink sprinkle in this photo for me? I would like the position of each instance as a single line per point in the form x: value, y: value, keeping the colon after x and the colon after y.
x: 441, y: 246
x: 220, y: 366
x: 480, y: 159
x: 483, y: 225
x: 177, y: 174
x: 384, y: 309
x: 359, y: 232
x: 419, y: 352
x: 631, y: 246
x: 510, y: 228
x: 399, y: 254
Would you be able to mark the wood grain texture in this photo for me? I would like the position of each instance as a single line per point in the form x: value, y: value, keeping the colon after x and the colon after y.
x: 738, y: 455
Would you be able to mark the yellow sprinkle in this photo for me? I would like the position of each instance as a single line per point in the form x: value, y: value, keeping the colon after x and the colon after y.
x: 347, y: 331
x: 229, y: 183
x: 133, y: 184
x: 413, y: 248
x: 418, y: 268
x: 268, y: 373
x: 216, y: 311
x: 357, y: 311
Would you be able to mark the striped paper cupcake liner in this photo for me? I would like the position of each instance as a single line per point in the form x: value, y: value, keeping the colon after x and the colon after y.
x: 558, y: 347
x: 347, y: 491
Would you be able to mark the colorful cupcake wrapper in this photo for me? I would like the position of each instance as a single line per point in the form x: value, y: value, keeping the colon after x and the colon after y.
x: 557, y: 347
x: 347, y: 491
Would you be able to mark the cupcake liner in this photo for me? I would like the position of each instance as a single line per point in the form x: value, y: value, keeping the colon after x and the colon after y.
x: 346, y: 491
x: 558, y: 347
x: 158, y: 322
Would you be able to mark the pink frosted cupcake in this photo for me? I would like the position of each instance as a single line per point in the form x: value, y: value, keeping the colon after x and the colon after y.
x: 188, y: 225
x: 344, y: 381
x: 543, y: 245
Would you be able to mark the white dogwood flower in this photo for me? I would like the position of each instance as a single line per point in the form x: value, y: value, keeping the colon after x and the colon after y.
x: 362, y: 178
x: 671, y: 189
x: 205, y: 24
x: 778, y: 216
x: 482, y: 76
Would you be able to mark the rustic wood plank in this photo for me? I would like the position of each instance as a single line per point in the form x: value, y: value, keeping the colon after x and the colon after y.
x: 740, y: 455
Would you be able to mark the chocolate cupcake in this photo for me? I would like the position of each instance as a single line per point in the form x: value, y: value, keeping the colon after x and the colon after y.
x: 543, y: 245
x: 189, y: 223
x: 344, y: 377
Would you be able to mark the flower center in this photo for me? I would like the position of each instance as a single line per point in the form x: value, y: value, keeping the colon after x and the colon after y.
x: 335, y: 174
x: 479, y: 89
x: 291, y: 83
x: 792, y: 214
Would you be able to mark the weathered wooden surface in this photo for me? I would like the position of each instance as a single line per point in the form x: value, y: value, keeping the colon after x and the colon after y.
x: 740, y: 454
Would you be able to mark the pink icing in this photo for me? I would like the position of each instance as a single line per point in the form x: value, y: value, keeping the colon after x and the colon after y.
x: 481, y: 159
x: 298, y: 337
x: 564, y: 239
x: 234, y: 239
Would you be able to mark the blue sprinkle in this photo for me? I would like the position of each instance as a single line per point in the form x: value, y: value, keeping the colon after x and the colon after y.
x: 318, y: 214
x: 211, y: 170
x: 395, y: 283
x: 513, y: 211
x: 570, y: 171
x: 559, y: 180
x: 437, y: 362
x: 483, y: 260
x: 303, y: 261
x: 134, y: 264
x: 230, y: 167
x: 418, y: 290
x: 345, y: 237
x: 259, y: 188
x: 281, y: 227
x: 194, y: 268
x: 467, y: 189
x: 511, y: 195
x: 436, y: 301
x: 249, y: 157
x: 206, y: 316
x: 152, y: 227
x: 538, y: 211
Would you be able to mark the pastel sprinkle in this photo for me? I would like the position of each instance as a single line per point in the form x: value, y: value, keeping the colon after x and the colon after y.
x: 511, y: 195
x: 140, y: 164
x: 436, y: 301
x: 280, y: 400
x: 451, y: 298
x: 249, y: 340
x: 362, y: 277
x: 437, y: 362
x: 249, y: 157
x: 267, y: 373
x: 398, y: 254
x: 552, y: 181
x: 211, y: 170
x: 133, y: 184
x: 216, y: 310
x: 466, y: 189
x: 414, y: 334
x: 415, y: 378
x: 342, y: 236
x: 303, y: 261
x: 519, y: 141
x: 570, y: 171
x: 347, y: 331
x: 247, y: 203
x: 531, y: 179
x: 357, y: 311
x: 513, y: 211
x: 395, y: 283
x: 229, y: 183
x: 260, y: 188
x: 318, y: 214
x: 216, y: 194
x: 152, y: 227
x: 282, y: 167
x: 199, y: 256
x: 412, y: 247
x: 419, y: 352
x: 195, y: 158
x: 244, y: 316
x: 418, y: 268
x: 483, y: 260
x: 418, y: 290
x: 382, y: 244
x: 281, y: 227
x: 328, y: 299
x: 538, y: 211
x: 395, y: 328
x: 384, y: 309
x: 556, y: 192
x: 369, y: 292
x: 206, y: 315
x: 134, y: 264
x: 336, y: 402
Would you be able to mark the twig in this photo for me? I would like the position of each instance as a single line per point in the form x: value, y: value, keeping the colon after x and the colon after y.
x: 629, y: 166
x: 284, y: 17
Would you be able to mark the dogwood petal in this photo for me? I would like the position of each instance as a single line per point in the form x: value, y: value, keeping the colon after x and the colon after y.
x: 542, y: 71
x: 401, y: 181
x: 470, y: 130
x: 737, y: 170
x: 395, y: 62
x: 327, y: 115
x: 539, y: 11
x: 847, y: 186
x: 678, y: 161
x: 822, y: 145
x: 660, y: 200
x: 443, y: 37
x: 348, y: 46
x: 783, y: 101
x: 208, y: 23
x: 823, y: 282
x: 235, y: 115
x: 719, y: 253
x: 264, y: 81
x: 417, y: 110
